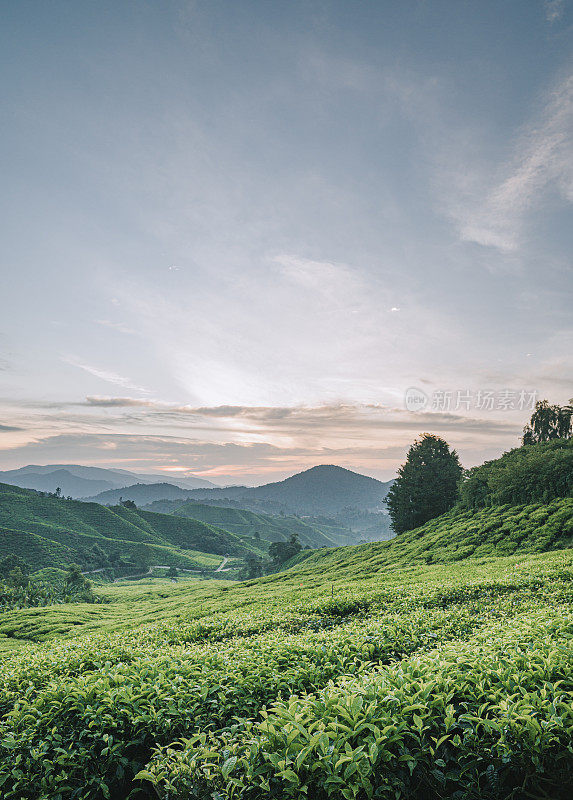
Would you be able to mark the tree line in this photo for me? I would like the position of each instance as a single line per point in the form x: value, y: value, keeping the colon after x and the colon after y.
x: 432, y: 480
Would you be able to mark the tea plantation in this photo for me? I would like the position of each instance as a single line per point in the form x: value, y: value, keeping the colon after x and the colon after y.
x: 52, y: 532
x: 422, y: 681
x: 436, y: 665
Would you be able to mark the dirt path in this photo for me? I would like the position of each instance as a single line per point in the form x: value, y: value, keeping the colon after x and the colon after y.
x: 222, y: 564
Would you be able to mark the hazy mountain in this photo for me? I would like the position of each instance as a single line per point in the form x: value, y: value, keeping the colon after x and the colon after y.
x: 80, y: 481
x: 142, y: 494
x: 324, y: 489
x: 59, y: 478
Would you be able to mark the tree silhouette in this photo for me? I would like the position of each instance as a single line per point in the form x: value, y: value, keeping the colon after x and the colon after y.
x: 427, y: 484
x: 548, y: 422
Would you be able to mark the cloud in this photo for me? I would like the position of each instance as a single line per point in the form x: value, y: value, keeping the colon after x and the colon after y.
x: 115, y: 402
x: 553, y: 10
x: 543, y: 160
x: 329, y: 425
x: 104, y: 375
x: 262, y: 442
x: 10, y: 428
x: 260, y: 460
x: 117, y: 326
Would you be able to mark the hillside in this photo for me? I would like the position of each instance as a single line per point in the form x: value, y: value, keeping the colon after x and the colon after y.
x: 77, y: 481
x: 437, y: 664
x: 50, y: 532
x: 320, y: 668
x: 461, y: 534
x: 249, y: 523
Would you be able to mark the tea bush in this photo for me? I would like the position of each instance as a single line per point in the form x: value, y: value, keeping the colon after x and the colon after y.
x: 81, y: 717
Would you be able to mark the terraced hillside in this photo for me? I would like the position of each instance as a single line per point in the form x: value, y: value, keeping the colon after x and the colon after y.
x: 461, y: 534
x: 248, y: 523
x: 51, y: 532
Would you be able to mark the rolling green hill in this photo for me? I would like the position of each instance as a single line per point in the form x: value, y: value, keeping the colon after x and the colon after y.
x: 51, y: 532
x: 248, y: 523
x: 281, y: 684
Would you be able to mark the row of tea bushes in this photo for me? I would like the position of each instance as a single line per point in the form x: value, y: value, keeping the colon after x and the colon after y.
x: 80, y: 717
x: 83, y: 729
x: 489, y: 719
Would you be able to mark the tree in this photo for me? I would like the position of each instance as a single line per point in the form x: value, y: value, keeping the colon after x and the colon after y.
x: 172, y: 573
x: 254, y: 566
x: 13, y: 562
x: 74, y: 577
x: 127, y: 503
x: 17, y: 579
x: 549, y: 422
x: 427, y: 484
x: 100, y: 556
x: 283, y: 551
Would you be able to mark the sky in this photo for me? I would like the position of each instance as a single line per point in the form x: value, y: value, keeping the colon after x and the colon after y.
x: 238, y: 239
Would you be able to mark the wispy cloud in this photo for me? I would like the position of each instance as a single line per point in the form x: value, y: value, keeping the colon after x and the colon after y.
x: 117, y: 326
x: 553, y: 10
x: 543, y: 160
x: 104, y: 375
x: 321, y: 422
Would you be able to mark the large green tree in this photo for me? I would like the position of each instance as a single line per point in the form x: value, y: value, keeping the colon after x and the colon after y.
x: 427, y: 484
x: 280, y: 552
x: 549, y: 422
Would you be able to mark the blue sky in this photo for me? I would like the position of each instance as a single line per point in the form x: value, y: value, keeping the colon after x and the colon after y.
x: 234, y: 234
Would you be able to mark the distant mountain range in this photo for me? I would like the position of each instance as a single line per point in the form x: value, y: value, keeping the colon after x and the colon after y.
x: 325, y: 489
x: 320, y: 491
x: 79, y: 481
x: 330, y: 499
x: 142, y: 494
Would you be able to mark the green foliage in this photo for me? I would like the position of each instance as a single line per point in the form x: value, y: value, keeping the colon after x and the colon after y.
x: 549, y: 422
x: 20, y: 591
x: 377, y: 664
x: 280, y: 552
x: 529, y: 474
x: 52, y: 532
x: 427, y: 484
x: 253, y: 568
x: 13, y: 562
x: 434, y: 665
x: 444, y: 724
